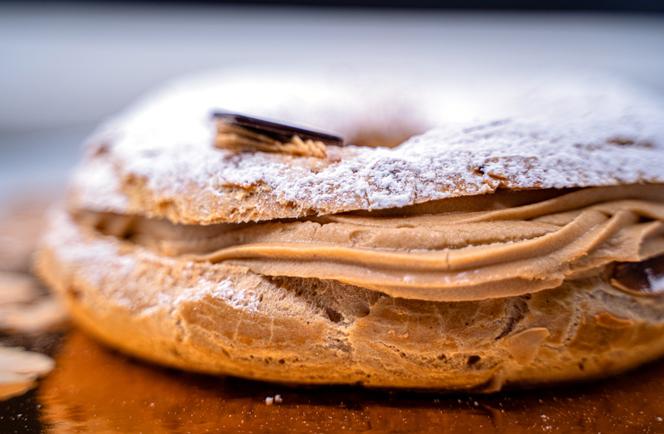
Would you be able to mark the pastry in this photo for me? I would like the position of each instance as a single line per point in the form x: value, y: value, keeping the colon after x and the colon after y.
x: 287, y: 229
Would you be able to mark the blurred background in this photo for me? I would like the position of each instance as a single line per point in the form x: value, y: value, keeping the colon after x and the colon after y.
x: 64, y: 67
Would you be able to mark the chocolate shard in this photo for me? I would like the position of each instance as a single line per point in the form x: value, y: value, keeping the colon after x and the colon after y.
x: 278, y: 131
x: 640, y: 278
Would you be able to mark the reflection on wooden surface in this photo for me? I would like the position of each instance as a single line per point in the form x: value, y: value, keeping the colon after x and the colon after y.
x: 97, y: 390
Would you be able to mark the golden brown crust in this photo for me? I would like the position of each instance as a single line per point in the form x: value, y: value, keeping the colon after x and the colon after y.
x: 223, y: 320
x: 159, y: 159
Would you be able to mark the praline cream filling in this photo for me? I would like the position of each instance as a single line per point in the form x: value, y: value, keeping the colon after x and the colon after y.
x: 499, y: 245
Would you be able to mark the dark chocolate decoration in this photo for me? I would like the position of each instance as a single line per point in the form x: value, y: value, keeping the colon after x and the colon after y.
x: 279, y: 131
x: 636, y: 277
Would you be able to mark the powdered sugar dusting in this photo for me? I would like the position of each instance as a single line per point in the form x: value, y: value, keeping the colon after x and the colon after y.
x: 549, y: 132
x: 97, y: 182
x: 80, y: 253
x: 223, y: 290
x: 655, y: 281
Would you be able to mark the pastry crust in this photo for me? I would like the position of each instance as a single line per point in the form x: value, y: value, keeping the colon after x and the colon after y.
x: 267, y: 317
x: 221, y: 319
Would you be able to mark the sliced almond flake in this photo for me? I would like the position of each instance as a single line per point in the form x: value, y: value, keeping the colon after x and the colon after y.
x: 44, y: 315
x: 19, y: 361
x: 12, y: 385
x: 19, y: 369
x: 16, y: 288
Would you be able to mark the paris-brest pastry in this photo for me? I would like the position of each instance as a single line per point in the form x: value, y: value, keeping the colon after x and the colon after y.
x: 322, y: 230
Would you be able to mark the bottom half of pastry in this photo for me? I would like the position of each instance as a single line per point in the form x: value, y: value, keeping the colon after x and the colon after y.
x: 225, y: 319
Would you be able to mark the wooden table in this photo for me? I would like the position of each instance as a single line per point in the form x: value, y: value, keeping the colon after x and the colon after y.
x: 95, y: 389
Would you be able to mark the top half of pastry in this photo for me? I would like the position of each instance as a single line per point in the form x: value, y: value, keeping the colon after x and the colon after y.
x: 404, y: 144
x: 510, y: 190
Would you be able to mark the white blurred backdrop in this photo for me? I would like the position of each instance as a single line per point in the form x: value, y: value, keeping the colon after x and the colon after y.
x: 63, y: 68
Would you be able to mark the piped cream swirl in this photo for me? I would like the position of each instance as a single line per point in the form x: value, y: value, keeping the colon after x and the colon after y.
x: 499, y: 245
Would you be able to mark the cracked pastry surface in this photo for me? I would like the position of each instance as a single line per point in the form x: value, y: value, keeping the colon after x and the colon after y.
x: 476, y: 256
x: 225, y: 319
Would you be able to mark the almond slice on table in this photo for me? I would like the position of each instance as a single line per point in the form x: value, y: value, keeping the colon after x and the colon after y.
x: 16, y: 288
x: 12, y: 385
x: 45, y: 314
x: 22, y: 307
x: 19, y: 370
